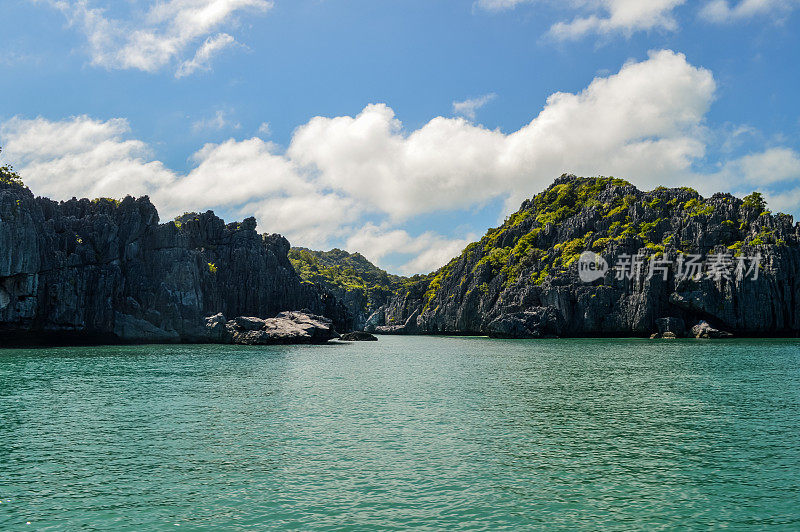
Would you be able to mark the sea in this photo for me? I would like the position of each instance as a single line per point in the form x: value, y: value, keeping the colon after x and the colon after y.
x: 410, y: 432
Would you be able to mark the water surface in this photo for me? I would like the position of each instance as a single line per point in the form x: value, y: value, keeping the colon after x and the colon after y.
x: 408, y: 432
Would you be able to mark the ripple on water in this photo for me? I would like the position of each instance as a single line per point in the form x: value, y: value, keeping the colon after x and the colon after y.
x: 408, y: 432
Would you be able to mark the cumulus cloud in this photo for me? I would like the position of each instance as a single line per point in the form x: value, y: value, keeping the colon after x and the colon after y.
x: 158, y: 35
x: 82, y: 157
x: 620, y: 16
x: 470, y: 106
x: 645, y: 121
x: 774, y: 171
x: 358, y: 179
x: 605, y: 17
x: 202, y: 58
x: 724, y: 11
x: 429, y: 249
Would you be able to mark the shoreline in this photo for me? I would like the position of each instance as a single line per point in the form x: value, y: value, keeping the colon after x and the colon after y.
x: 6, y: 344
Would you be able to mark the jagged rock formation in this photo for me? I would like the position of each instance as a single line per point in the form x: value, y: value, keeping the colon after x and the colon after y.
x: 521, y: 279
x: 285, y: 328
x: 102, y: 270
x: 354, y: 280
x: 358, y: 336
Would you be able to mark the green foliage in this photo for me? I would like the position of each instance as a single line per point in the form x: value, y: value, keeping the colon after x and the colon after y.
x: 9, y: 177
x: 496, y: 259
x: 755, y: 201
x: 339, y: 270
x: 695, y: 207
x: 601, y: 243
x: 98, y: 201
x: 538, y: 278
x: 736, y: 247
x: 571, y: 250
x: 613, y: 212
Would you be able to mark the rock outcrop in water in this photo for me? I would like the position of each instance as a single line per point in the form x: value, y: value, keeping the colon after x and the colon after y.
x: 358, y: 336
x: 107, y: 271
x: 285, y: 328
x: 521, y: 280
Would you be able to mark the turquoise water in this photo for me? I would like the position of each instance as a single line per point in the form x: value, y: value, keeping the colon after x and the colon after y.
x: 408, y: 432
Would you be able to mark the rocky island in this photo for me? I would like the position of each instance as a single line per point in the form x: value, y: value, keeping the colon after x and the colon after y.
x: 691, y: 266
x: 91, y: 271
x: 105, y: 271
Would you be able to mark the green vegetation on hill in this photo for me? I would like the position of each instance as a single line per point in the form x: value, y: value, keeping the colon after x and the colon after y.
x: 550, y: 231
x: 8, y: 176
x: 341, y: 269
x: 362, y: 285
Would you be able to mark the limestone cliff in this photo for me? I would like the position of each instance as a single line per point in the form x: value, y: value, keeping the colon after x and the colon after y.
x: 521, y: 279
x: 103, y: 270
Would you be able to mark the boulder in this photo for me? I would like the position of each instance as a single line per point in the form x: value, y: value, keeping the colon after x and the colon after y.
x: 704, y: 330
x: 285, y: 328
x: 358, y: 336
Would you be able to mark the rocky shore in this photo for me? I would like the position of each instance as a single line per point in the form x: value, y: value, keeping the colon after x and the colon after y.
x: 105, y: 271
x: 522, y: 279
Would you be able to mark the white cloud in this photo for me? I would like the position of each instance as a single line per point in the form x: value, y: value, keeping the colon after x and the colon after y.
x: 724, y: 11
x: 604, y: 17
x: 768, y: 170
x: 218, y: 122
x: 429, y: 249
x: 202, y: 58
x: 620, y: 16
x: 644, y: 123
x: 264, y: 129
x: 159, y: 35
x: 468, y: 107
x: 81, y: 157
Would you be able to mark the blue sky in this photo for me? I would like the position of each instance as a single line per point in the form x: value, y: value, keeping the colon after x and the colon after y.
x: 398, y: 129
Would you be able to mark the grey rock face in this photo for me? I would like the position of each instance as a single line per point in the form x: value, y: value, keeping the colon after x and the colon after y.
x: 704, y: 330
x: 358, y: 336
x: 534, y: 323
x: 500, y: 285
x: 285, y: 328
x: 81, y: 271
x: 673, y: 326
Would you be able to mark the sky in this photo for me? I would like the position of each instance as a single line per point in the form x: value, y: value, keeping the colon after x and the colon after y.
x: 398, y: 129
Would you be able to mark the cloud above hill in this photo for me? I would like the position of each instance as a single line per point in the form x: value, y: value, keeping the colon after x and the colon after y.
x: 361, y: 179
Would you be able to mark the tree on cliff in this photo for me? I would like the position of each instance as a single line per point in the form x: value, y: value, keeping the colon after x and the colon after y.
x: 755, y: 201
x: 8, y: 176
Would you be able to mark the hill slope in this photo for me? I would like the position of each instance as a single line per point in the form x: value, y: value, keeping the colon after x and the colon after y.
x: 521, y: 279
x: 359, y: 284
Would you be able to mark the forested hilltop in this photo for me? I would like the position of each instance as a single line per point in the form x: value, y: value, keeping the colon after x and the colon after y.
x: 359, y: 284
x: 521, y: 279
